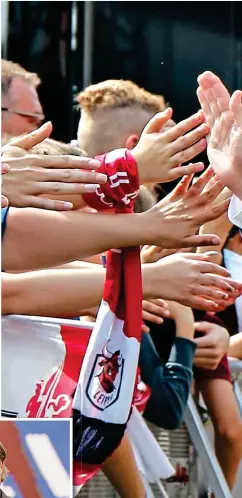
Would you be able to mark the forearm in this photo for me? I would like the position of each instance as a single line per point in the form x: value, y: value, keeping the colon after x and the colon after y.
x: 185, y: 325
x: 56, y: 293
x: 235, y: 346
x: 37, y: 238
x: 122, y: 471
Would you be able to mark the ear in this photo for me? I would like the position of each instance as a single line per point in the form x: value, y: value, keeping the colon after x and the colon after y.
x: 131, y: 141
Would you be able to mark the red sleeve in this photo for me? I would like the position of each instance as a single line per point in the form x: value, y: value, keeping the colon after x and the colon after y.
x: 121, y: 188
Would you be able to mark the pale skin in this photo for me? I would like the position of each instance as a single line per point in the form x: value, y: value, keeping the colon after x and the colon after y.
x: 21, y: 97
x: 165, y: 151
x: 224, y: 116
x: 198, y: 281
x: 30, y: 175
x: 170, y: 223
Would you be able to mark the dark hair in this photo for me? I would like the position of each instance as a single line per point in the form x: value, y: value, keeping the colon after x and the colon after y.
x: 233, y: 231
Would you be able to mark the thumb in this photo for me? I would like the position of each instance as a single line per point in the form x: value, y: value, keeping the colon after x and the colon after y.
x: 35, y: 137
x: 156, y: 124
x: 202, y: 326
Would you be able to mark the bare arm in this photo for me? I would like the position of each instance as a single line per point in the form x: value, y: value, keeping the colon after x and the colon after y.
x: 39, y: 239
x: 235, y: 346
x: 59, y: 293
x: 36, y: 238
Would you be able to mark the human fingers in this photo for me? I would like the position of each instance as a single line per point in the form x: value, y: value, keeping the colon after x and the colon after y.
x: 212, y: 293
x: 202, y: 303
x: 184, y: 126
x: 219, y: 282
x: 210, y: 194
x: 212, y: 212
x: 188, y: 154
x: 189, y: 169
x: 220, y: 136
x: 207, y: 79
x: 237, y: 286
x: 151, y: 317
x: 183, y: 142
x: 200, y: 240
x: 145, y: 329
x: 62, y: 162
x: 35, y: 137
x: 42, y: 203
x: 4, y: 201
x: 205, y: 107
x: 211, y: 99
x: 197, y: 187
x: 181, y: 188
x: 62, y: 188
x: 72, y: 176
x: 154, y: 310
x: 206, y: 363
x: 156, y: 124
x: 4, y: 168
x: 209, y: 267
x: 235, y: 106
x: 150, y: 254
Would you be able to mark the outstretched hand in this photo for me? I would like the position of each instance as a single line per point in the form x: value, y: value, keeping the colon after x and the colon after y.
x: 32, y: 175
x: 174, y: 221
x: 224, y: 117
x: 160, y: 152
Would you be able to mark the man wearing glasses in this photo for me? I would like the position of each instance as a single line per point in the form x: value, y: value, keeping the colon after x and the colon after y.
x: 21, y: 108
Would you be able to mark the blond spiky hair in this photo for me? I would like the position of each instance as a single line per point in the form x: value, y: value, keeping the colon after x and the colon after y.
x: 11, y: 70
x: 111, y: 94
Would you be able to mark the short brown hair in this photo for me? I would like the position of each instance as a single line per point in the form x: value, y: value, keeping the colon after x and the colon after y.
x: 10, y: 69
x: 112, y: 94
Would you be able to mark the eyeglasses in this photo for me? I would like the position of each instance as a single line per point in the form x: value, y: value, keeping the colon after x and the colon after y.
x: 34, y: 115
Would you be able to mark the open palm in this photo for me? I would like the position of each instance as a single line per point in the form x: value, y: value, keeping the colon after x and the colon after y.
x: 224, y: 116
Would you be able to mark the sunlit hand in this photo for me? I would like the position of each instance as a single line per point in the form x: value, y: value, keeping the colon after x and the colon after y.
x: 224, y: 117
x: 160, y: 152
x: 32, y: 175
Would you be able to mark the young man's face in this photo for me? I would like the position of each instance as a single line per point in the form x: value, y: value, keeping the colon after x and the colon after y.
x: 21, y: 97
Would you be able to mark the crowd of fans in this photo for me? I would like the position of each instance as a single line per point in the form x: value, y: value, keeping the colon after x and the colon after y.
x: 190, y: 239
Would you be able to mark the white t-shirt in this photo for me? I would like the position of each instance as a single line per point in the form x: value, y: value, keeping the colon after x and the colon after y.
x: 233, y: 263
x: 235, y: 211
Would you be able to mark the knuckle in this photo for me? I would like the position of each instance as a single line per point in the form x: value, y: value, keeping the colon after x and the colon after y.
x: 55, y: 187
x: 182, y: 156
x: 66, y: 174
